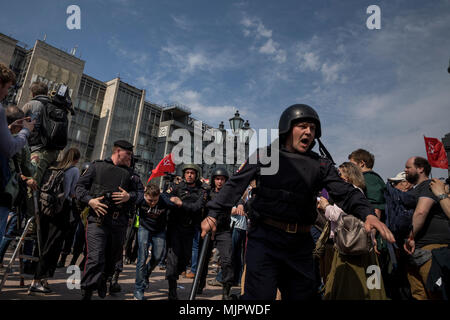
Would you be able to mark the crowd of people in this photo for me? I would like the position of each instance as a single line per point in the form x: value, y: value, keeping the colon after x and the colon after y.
x: 309, y: 231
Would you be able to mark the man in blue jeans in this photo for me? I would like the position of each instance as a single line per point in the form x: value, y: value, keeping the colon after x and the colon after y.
x: 152, y: 229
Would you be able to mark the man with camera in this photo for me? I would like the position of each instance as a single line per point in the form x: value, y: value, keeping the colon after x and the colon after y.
x: 42, y: 155
x: 108, y: 187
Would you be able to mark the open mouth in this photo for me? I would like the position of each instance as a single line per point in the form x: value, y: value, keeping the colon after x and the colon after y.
x: 304, y: 141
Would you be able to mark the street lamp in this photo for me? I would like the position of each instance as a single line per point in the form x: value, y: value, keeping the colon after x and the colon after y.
x: 236, y: 122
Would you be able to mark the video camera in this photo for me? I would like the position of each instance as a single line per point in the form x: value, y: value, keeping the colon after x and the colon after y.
x: 61, y: 98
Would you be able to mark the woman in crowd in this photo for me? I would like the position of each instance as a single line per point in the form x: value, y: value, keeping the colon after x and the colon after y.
x: 348, y: 278
x: 54, y: 228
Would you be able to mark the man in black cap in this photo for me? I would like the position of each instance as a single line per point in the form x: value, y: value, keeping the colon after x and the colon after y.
x: 280, y: 245
x: 109, y: 190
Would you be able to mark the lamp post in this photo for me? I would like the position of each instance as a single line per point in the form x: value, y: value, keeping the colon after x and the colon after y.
x: 236, y: 122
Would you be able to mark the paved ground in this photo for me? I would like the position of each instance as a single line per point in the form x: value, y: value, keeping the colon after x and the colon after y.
x: 158, y: 286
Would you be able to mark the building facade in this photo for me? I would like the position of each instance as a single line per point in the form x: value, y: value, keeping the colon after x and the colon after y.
x: 106, y: 111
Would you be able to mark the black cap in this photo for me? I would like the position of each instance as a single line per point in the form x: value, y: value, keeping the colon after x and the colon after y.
x: 123, y: 144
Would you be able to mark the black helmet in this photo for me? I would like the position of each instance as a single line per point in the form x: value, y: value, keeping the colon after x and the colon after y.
x: 193, y: 167
x: 219, y: 172
x: 297, y: 112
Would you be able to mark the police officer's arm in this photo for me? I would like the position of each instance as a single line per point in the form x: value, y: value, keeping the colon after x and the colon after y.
x: 84, y: 185
x: 139, y: 191
x: 228, y: 196
x: 194, y: 207
x: 351, y: 200
x: 134, y: 194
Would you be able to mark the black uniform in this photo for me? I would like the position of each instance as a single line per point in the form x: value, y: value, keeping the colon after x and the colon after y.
x: 222, y: 241
x: 279, y: 247
x: 104, y: 234
x: 180, y: 228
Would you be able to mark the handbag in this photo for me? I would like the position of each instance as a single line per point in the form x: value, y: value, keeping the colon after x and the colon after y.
x: 319, y: 250
x: 350, y: 237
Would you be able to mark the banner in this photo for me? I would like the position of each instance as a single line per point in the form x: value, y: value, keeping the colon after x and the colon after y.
x: 436, y: 153
x: 165, y: 165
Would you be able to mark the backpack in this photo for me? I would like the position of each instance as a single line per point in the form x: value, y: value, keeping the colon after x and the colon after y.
x: 52, y: 192
x: 399, y: 211
x: 54, y: 126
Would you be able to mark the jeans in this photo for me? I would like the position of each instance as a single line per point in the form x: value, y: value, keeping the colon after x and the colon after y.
x: 6, y: 239
x: 237, y: 246
x: 4, y: 213
x: 195, y: 249
x: 143, y: 269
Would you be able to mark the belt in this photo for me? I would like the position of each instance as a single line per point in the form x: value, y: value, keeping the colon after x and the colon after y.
x: 287, y: 227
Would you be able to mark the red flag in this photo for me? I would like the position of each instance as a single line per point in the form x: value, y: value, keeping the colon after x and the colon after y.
x: 165, y: 165
x: 436, y: 153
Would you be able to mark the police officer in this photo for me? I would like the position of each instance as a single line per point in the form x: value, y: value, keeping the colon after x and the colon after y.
x: 188, y: 199
x: 114, y: 285
x: 107, y: 187
x: 279, y: 247
x: 222, y: 239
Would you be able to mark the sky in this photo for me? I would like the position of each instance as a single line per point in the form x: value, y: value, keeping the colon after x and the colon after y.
x: 377, y: 89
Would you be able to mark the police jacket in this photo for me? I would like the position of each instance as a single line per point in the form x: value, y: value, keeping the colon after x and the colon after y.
x: 102, y: 178
x: 223, y: 222
x: 190, y: 213
x: 289, y: 196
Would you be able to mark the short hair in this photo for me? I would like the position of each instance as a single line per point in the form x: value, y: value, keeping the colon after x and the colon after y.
x: 353, y: 174
x: 420, y: 162
x: 38, y: 88
x: 152, y: 190
x: 6, y: 75
x: 363, y: 155
x: 13, y: 113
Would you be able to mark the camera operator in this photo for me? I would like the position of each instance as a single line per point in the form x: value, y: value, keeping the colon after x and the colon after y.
x: 41, y: 156
x: 108, y: 187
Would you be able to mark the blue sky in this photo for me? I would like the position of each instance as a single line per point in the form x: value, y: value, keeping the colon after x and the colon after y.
x: 381, y: 90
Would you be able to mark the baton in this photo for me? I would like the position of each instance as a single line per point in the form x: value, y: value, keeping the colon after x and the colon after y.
x: 38, y: 223
x: 201, y: 264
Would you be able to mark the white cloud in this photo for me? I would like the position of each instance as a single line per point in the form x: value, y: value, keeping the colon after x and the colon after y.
x: 270, y: 47
x: 211, y: 114
x: 330, y: 72
x: 135, y: 57
x: 182, y: 22
x: 308, y: 61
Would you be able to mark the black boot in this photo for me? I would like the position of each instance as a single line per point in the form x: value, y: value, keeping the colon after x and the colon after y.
x: 173, y: 290
x: 102, y: 287
x: 226, y: 291
x: 62, y: 261
x: 86, y: 294
x: 114, y: 286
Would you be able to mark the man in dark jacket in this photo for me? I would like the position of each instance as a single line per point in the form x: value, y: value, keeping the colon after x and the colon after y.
x: 279, y: 247
x: 107, y: 187
x: 222, y: 240
x: 188, y: 198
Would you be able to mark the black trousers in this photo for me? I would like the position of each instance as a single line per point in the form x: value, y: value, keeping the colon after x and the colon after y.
x: 222, y: 241
x: 104, y: 248
x: 179, y: 250
x: 277, y: 259
x: 53, y: 230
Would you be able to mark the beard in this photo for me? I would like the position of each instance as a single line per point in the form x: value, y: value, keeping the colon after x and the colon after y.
x: 412, y: 178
